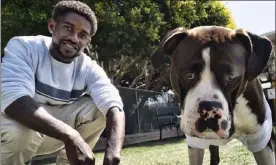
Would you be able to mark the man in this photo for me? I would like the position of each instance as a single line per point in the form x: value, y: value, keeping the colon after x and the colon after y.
x: 43, y: 106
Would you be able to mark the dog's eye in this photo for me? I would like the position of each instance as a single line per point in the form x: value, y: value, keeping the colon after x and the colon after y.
x: 230, y: 77
x: 190, y: 76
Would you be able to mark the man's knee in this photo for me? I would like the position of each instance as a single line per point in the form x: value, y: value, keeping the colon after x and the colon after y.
x: 18, y: 144
x: 18, y: 138
x: 89, y: 112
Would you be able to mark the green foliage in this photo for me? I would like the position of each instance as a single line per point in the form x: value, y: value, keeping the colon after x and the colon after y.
x: 129, y: 28
x: 126, y: 28
x: 25, y: 17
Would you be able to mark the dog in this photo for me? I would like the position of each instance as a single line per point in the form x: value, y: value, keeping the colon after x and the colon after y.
x: 214, y: 72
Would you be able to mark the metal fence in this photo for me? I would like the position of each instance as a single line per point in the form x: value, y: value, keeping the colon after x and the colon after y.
x: 139, y: 107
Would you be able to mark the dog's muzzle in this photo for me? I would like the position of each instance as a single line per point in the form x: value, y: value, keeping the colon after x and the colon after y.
x: 208, y: 120
x: 211, y: 118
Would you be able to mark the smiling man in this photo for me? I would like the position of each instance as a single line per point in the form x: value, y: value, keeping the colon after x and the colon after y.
x: 54, y: 98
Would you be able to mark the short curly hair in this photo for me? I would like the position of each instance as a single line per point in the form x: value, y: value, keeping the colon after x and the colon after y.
x: 65, y: 6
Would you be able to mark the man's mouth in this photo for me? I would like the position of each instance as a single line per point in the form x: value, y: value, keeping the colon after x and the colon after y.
x: 70, y: 45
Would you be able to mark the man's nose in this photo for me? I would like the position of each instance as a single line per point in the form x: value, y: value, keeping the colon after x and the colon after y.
x: 74, y: 37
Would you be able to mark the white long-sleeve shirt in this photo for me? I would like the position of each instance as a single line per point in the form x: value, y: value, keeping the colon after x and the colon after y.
x: 29, y: 69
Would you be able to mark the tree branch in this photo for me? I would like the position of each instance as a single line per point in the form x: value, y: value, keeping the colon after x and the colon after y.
x: 161, y: 80
x: 139, y: 76
x: 129, y: 66
x: 148, y: 77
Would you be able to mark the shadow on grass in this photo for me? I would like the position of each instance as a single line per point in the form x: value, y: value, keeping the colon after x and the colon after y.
x: 51, y: 160
x: 153, y: 143
x: 46, y: 161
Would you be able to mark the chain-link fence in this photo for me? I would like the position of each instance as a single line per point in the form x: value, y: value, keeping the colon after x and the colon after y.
x: 140, y: 105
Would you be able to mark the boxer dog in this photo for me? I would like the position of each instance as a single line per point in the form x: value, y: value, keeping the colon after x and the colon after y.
x: 214, y: 72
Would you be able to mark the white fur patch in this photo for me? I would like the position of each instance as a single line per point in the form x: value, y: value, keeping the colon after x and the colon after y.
x: 204, y: 90
x: 244, y: 120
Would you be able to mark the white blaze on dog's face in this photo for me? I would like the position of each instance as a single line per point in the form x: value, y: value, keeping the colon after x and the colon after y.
x: 206, y: 112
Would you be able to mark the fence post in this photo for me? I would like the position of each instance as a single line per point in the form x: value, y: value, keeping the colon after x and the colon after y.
x: 139, y: 127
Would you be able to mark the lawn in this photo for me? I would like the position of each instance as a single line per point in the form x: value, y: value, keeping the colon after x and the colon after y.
x: 174, y: 152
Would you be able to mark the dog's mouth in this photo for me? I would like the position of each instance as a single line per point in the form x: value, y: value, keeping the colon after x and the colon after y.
x: 210, y: 134
x: 206, y: 125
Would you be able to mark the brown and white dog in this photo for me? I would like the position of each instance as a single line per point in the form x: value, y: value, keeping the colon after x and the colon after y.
x: 214, y: 72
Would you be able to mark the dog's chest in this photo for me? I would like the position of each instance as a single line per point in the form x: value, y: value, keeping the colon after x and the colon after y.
x: 244, y: 120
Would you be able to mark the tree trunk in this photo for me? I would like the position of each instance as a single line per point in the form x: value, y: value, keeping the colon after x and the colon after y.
x: 124, y: 70
x: 159, y: 84
x: 148, y: 77
x: 139, y: 76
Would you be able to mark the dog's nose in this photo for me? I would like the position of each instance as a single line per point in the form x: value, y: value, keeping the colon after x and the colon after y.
x: 205, y: 107
x: 208, y: 105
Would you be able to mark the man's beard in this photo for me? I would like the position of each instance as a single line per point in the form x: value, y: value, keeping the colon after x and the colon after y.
x: 60, y: 55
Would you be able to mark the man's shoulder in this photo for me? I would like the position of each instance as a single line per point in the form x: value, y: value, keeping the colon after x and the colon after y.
x: 85, y: 59
x: 31, y: 40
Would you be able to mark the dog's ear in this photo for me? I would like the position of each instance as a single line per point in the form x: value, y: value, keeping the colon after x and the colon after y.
x: 167, y: 46
x: 259, y: 49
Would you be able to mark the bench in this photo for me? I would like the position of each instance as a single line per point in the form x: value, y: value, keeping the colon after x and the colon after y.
x: 167, y: 117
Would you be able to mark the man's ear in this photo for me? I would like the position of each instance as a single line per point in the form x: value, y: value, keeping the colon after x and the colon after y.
x: 259, y: 49
x: 51, y: 25
x: 167, y: 46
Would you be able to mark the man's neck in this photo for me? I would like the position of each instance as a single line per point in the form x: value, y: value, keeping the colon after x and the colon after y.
x: 57, y: 56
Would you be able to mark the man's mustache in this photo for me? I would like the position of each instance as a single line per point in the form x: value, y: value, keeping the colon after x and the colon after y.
x: 70, y: 43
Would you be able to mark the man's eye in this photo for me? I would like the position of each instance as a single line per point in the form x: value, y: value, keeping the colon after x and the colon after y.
x: 84, y: 36
x: 68, y: 28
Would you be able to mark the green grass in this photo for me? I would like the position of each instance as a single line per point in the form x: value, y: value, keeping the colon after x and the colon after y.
x: 175, y: 152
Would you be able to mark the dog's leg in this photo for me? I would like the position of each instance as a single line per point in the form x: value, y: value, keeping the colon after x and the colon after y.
x: 273, y: 142
x: 195, y: 156
x: 265, y: 156
x: 214, y: 152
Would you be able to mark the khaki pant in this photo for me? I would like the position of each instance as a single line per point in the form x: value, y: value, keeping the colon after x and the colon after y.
x: 19, y: 143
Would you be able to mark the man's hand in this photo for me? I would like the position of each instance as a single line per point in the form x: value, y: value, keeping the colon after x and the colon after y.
x: 78, y: 151
x: 115, y: 131
x: 111, y: 157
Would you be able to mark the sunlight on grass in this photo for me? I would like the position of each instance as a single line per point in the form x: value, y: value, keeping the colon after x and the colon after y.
x: 175, y: 152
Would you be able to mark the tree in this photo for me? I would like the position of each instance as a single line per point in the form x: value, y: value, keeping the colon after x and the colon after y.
x: 129, y: 32
x: 142, y: 24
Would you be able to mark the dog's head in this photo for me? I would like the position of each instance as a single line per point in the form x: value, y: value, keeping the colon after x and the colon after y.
x: 210, y: 68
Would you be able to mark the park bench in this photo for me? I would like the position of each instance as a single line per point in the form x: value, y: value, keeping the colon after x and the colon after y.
x: 166, y: 117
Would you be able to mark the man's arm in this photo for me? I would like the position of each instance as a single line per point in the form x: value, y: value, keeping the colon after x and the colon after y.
x: 27, y: 112
x: 108, y: 100
x: 115, y: 132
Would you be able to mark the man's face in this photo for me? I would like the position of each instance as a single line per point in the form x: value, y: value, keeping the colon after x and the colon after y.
x: 70, y: 35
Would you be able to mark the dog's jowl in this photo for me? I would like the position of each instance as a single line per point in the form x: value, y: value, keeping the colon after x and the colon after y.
x: 214, y: 71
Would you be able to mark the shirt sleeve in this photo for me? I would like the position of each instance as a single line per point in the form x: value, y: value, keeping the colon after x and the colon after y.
x: 17, y: 78
x: 104, y: 94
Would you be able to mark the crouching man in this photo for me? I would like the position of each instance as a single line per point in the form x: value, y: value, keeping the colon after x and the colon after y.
x: 43, y: 106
